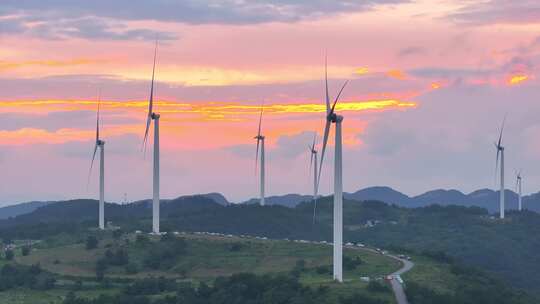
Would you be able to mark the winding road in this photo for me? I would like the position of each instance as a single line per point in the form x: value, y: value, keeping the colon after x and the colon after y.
x: 397, y: 287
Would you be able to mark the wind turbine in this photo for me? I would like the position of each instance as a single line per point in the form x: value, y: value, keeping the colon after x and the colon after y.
x: 155, y: 117
x: 101, y: 145
x: 518, y: 189
x: 500, y: 151
x: 313, y: 165
x: 332, y: 117
x: 260, y: 141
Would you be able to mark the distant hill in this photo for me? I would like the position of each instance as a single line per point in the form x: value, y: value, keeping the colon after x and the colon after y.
x: 18, y: 209
x: 383, y: 194
x: 25, y: 208
x: 287, y: 200
x: 484, y: 198
x: 217, y: 197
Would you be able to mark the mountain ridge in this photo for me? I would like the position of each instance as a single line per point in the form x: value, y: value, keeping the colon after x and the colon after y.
x: 484, y: 198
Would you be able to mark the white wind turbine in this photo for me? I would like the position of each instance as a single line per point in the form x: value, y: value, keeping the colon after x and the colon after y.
x: 101, y: 145
x: 155, y: 117
x: 332, y: 117
x: 260, y: 141
x: 500, y: 151
x: 313, y: 165
x: 518, y: 189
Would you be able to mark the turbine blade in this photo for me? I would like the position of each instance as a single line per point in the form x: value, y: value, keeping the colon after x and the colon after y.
x: 257, y: 156
x: 337, y: 97
x: 497, y: 164
x: 310, y: 161
x: 148, y: 120
x: 260, y: 120
x: 97, y: 119
x: 325, y: 141
x: 314, y: 210
x: 151, y: 101
x: 91, y: 165
x: 326, y: 84
x: 501, y: 133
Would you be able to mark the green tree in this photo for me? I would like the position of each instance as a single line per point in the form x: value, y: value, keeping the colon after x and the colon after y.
x: 91, y: 242
x: 26, y: 250
x: 9, y: 254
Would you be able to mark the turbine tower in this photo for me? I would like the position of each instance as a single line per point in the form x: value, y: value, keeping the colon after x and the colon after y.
x: 313, y: 165
x: 101, y: 145
x: 332, y: 117
x: 155, y: 117
x: 500, y: 152
x: 518, y: 186
x: 260, y: 142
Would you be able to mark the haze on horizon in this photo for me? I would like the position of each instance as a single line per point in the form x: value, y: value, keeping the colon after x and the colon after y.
x: 430, y: 84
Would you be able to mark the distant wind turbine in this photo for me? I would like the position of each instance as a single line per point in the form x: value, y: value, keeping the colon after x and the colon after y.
x: 332, y: 117
x: 518, y: 189
x: 101, y: 145
x: 260, y: 142
x: 500, y: 151
x: 155, y: 117
x: 313, y: 165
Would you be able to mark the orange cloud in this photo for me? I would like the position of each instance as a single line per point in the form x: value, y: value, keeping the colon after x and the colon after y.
x: 27, y: 136
x: 183, y: 120
x: 361, y: 71
x: 207, y: 111
x: 8, y: 65
x: 397, y: 74
x: 516, y: 79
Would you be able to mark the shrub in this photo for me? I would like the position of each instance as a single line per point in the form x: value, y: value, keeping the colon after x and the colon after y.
x: 9, y: 255
x: 350, y: 263
x: 91, y: 242
x: 26, y: 250
x: 374, y: 286
x: 132, y: 268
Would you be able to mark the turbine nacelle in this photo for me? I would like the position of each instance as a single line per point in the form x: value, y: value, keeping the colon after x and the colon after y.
x: 100, y: 142
x: 155, y: 116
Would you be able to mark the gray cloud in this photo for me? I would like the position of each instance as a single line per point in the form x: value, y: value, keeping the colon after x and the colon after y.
x: 411, y: 51
x: 84, y: 27
x: 287, y: 147
x: 104, y: 19
x: 191, y: 11
x: 387, y: 139
x: 435, y: 72
x: 498, y: 11
x: 291, y: 146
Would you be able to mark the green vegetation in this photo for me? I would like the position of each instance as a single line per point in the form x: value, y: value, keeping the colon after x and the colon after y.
x: 193, y: 260
x: 240, y: 288
x: 462, y: 285
x: 441, y: 241
x: 14, y: 276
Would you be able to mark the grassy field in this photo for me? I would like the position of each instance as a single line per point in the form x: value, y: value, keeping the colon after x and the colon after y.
x: 54, y: 296
x: 433, y: 275
x: 207, y: 257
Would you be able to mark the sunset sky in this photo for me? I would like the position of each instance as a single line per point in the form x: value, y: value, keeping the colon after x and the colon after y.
x: 430, y: 82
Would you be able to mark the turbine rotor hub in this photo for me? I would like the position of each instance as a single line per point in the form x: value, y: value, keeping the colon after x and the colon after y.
x: 155, y: 116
